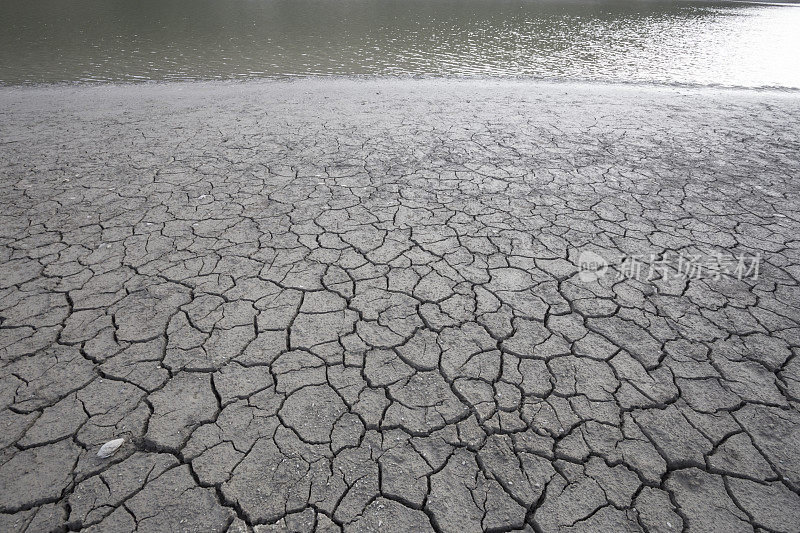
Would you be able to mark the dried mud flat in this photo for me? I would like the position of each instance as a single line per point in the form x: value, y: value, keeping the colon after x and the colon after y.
x: 355, y: 305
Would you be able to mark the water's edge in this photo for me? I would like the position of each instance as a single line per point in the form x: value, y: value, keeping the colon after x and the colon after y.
x: 391, y: 80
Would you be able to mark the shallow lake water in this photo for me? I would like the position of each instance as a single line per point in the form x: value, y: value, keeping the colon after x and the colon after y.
x: 678, y: 42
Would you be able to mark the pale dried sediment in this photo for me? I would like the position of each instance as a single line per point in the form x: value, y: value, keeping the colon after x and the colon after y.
x: 354, y: 304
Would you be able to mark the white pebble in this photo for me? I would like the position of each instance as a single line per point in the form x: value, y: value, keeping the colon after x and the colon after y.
x: 109, y: 448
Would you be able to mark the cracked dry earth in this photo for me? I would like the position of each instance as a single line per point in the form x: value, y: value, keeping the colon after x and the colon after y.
x: 354, y: 306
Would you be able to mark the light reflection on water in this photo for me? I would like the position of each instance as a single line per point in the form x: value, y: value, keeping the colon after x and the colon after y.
x: 721, y: 43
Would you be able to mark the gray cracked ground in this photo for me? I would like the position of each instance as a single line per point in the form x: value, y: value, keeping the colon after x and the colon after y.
x: 354, y: 306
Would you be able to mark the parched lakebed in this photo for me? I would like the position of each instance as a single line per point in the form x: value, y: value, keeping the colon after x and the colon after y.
x: 362, y: 305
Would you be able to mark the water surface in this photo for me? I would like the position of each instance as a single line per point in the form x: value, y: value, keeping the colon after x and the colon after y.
x: 721, y: 43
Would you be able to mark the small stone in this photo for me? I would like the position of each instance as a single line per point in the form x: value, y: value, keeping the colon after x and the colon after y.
x: 109, y: 448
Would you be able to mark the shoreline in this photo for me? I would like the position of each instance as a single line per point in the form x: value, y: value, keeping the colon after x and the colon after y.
x: 334, y: 92
x: 456, y: 79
